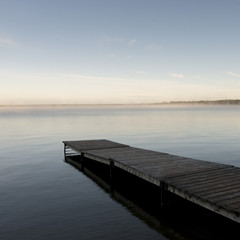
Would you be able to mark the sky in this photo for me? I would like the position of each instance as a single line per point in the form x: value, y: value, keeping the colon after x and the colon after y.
x: 118, y: 51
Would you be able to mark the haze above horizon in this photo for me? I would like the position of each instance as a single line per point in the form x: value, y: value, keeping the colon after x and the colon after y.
x: 118, y: 52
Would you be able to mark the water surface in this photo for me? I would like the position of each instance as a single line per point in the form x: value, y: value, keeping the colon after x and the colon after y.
x: 42, y: 197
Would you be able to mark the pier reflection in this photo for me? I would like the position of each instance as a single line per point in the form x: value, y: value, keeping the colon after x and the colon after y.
x: 177, y: 219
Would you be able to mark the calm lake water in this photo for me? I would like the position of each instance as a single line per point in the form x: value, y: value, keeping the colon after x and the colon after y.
x: 43, y: 197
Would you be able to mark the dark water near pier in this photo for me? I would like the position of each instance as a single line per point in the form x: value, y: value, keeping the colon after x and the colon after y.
x: 42, y: 197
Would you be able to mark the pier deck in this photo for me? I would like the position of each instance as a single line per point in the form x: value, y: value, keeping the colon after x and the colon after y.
x: 211, y: 185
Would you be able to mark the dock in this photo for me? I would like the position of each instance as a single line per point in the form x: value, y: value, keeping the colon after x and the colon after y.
x: 213, y: 186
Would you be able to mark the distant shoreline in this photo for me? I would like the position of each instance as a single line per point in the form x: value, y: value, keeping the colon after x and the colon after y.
x: 199, y: 102
x: 212, y: 102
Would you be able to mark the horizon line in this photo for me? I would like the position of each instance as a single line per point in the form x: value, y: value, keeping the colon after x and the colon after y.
x: 219, y: 101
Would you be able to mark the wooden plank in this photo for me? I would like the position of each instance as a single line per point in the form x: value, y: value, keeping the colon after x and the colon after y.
x: 173, y: 172
x: 223, y: 193
x: 218, y: 194
x: 122, y: 153
x: 137, y: 173
x: 97, y: 158
x: 202, y: 192
x: 221, y: 171
x: 144, y: 160
x: 230, y: 203
x: 219, y: 191
x: 228, y: 199
x: 199, y: 176
x: 235, y: 207
x: 169, y: 160
x: 206, y: 186
x: 146, y: 157
x: 93, y: 144
x: 208, y: 180
x: 205, y: 203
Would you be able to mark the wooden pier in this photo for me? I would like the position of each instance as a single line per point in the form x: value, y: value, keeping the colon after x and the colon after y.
x: 211, y: 185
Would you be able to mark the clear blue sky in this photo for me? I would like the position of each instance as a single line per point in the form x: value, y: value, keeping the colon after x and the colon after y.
x: 118, y: 51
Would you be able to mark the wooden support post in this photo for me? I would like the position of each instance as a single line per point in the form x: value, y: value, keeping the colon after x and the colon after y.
x: 111, y: 168
x: 163, y: 189
x: 64, y: 150
x: 82, y: 161
x: 111, y: 176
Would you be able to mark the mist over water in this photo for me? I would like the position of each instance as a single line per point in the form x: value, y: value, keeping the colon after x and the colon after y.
x: 42, y: 197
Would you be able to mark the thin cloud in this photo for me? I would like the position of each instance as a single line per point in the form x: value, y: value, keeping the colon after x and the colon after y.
x: 233, y: 74
x: 140, y: 72
x: 154, y: 47
x: 132, y: 42
x: 118, y: 40
x: 6, y: 42
x: 112, y: 55
x: 105, y: 40
x: 176, y: 75
x: 109, y: 39
x: 88, y: 77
